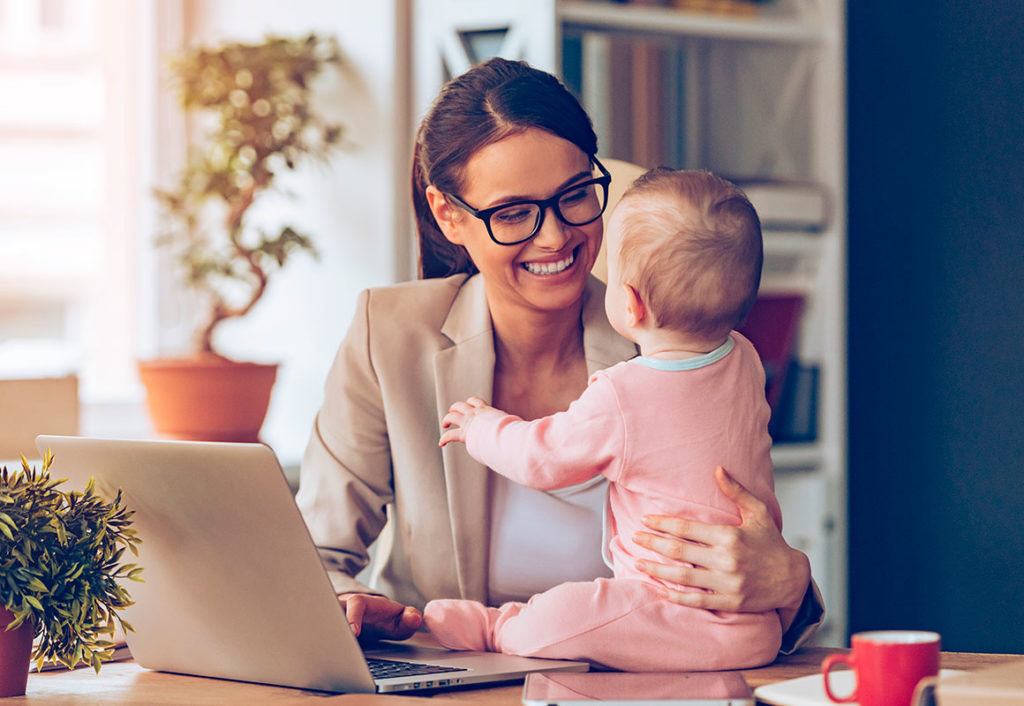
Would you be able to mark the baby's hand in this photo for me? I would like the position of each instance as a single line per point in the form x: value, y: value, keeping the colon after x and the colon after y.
x: 458, y: 418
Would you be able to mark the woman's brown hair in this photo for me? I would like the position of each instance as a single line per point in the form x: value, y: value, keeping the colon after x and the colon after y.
x: 491, y: 101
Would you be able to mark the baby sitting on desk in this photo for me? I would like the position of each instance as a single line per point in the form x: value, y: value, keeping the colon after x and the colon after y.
x: 685, y: 257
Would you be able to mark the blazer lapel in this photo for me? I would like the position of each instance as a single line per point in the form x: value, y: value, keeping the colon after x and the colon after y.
x: 466, y: 369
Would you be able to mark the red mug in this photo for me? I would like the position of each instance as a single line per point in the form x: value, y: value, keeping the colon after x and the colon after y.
x: 888, y: 664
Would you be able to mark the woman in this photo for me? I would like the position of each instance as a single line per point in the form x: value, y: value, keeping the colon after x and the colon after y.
x: 507, y: 311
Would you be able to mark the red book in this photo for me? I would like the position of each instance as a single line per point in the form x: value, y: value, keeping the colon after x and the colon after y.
x: 771, y: 326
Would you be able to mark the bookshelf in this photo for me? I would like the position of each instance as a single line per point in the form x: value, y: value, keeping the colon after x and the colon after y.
x: 758, y: 95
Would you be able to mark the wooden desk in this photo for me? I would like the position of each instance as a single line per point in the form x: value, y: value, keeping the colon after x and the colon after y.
x: 127, y: 683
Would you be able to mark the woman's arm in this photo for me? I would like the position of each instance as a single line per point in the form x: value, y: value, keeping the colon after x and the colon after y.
x: 345, y: 478
x: 745, y: 568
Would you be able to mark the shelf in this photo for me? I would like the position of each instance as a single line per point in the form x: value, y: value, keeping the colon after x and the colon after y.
x: 639, y: 19
x: 796, y: 457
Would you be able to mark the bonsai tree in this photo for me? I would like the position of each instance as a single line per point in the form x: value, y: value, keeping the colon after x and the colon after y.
x: 60, y: 564
x: 261, y: 122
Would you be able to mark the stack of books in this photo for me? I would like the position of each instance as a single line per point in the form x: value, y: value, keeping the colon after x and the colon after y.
x: 788, y: 205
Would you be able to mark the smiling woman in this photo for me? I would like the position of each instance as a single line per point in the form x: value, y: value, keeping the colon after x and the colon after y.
x: 514, y: 317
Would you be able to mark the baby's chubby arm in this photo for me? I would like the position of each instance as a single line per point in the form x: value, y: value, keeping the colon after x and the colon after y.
x: 547, y: 453
x: 459, y: 416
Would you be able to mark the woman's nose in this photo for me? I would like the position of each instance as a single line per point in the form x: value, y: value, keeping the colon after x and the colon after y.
x: 553, y: 234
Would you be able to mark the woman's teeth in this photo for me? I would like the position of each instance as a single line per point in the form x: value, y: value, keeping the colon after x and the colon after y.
x: 549, y: 268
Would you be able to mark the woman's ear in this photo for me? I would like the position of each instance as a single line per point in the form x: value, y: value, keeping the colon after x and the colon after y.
x: 445, y: 213
x: 636, y: 312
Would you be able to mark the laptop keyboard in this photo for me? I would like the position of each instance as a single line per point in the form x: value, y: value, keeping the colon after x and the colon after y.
x: 389, y: 668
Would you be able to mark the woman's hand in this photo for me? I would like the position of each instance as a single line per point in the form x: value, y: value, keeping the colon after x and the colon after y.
x: 748, y: 568
x: 379, y: 618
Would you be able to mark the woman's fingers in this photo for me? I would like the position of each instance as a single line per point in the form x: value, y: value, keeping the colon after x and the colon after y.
x: 676, y: 549
x: 684, y: 537
x: 354, y: 610
x: 747, y: 502
x: 711, y: 590
x: 377, y: 617
x: 704, y: 600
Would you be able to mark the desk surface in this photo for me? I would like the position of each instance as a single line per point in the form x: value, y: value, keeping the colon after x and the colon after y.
x: 127, y: 683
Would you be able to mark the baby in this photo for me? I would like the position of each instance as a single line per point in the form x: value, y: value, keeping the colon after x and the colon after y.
x: 684, y: 266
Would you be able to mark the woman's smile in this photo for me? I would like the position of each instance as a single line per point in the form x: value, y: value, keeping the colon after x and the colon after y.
x: 548, y: 267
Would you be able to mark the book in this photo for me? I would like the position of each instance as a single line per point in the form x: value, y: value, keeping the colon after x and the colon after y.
x: 795, y: 416
x: 994, y: 686
x: 772, y: 326
x: 788, y: 205
x: 121, y: 653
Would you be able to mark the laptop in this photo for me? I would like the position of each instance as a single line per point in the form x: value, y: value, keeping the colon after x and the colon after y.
x: 234, y: 587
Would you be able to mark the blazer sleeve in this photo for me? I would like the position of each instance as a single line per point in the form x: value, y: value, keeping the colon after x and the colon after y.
x: 346, y: 475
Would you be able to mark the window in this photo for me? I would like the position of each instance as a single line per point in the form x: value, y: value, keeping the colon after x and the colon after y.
x: 74, y: 188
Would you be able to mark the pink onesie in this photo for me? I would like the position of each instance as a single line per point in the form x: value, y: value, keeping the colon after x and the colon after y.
x: 655, y: 429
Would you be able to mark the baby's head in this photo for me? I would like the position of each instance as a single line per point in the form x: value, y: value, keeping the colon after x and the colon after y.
x: 689, y: 243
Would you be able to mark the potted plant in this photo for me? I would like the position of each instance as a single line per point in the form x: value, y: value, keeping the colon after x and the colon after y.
x: 60, y: 573
x: 261, y: 122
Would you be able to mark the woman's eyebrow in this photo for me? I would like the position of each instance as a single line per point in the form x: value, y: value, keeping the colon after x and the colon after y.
x: 564, y: 185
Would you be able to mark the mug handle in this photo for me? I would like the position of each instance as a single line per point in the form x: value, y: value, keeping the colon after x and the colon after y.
x: 826, y: 667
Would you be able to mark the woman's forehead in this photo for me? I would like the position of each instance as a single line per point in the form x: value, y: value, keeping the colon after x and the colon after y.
x: 531, y: 164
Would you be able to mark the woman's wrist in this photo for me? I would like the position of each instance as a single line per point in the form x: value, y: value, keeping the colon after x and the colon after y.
x: 799, y: 579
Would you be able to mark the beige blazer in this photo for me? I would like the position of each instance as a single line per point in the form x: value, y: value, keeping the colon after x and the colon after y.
x: 373, y: 458
x: 373, y: 469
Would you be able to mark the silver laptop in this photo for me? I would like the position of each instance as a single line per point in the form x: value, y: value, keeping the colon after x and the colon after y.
x: 234, y: 587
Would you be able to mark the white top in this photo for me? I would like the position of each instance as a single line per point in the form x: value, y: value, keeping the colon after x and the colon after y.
x: 540, y: 539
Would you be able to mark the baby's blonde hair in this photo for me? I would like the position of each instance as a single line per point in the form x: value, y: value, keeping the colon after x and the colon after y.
x: 692, y: 250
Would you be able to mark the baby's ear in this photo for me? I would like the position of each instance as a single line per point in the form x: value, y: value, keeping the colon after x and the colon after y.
x: 636, y: 312
x: 445, y: 213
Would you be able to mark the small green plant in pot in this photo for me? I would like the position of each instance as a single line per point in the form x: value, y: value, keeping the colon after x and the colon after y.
x: 257, y: 102
x: 61, y: 572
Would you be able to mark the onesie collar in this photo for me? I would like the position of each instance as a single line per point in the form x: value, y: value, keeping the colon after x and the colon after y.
x: 688, y: 363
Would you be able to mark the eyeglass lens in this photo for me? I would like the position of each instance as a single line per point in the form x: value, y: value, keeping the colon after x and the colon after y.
x: 576, y: 206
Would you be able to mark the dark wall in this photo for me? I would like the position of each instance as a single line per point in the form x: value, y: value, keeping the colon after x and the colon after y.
x: 936, y: 319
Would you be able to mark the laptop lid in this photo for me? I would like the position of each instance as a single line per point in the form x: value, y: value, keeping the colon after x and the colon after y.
x: 234, y: 587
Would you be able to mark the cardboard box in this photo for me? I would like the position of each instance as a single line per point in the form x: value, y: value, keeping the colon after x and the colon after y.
x: 33, y: 406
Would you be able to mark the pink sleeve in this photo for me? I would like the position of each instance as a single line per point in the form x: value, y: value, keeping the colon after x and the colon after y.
x: 553, y: 452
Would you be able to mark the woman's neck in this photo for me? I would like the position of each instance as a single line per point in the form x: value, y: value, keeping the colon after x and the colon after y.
x: 540, y: 365
x: 532, y: 337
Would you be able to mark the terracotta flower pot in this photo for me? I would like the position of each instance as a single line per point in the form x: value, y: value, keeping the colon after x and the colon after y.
x: 15, y: 652
x: 207, y: 398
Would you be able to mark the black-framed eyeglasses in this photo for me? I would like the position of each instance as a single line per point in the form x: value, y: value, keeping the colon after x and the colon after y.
x: 517, y: 222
